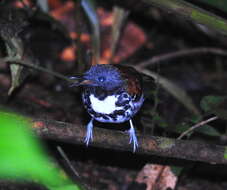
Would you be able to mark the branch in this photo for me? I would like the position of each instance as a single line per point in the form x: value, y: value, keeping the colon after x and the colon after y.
x: 182, y: 53
x: 109, y: 139
x: 197, y: 126
x: 182, y: 8
x: 15, y: 60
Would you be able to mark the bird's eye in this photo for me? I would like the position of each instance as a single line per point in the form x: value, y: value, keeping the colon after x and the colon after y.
x: 101, y: 79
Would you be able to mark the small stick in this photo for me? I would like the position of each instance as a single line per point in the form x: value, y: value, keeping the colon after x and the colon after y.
x: 186, y: 52
x: 67, y: 160
x: 36, y: 67
x: 197, y: 126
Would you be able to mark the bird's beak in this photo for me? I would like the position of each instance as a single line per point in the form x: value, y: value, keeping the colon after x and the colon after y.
x: 85, y: 82
x: 80, y: 81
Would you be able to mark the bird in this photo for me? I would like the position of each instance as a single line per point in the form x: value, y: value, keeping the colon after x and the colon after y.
x: 112, y: 93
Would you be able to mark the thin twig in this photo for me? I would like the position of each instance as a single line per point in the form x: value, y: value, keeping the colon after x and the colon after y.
x: 67, y: 161
x: 36, y: 67
x: 197, y: 126
x: 186, y: 52
x: 61, y: 151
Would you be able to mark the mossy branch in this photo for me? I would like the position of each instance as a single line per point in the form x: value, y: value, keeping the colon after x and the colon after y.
x: 192, y: 12
x: 182, y: 8
x: 148, y: 145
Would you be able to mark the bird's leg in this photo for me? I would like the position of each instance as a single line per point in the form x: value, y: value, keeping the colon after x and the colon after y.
x: 132, y: 136
x: 89, y: 133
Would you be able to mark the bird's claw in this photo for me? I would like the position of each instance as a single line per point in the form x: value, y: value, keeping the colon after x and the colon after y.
x: 89, y: 133
x: 132, y: 137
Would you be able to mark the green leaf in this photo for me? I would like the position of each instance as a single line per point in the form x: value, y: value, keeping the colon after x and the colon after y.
x: 216, y: 105
x: 205, y: 129
x: 180, y: 128
x: 159, y: 120
x: 225, y: 153
x: 195, y: 119
x: 23, y: 157
x: 208, y: 130
x: 208, y: 103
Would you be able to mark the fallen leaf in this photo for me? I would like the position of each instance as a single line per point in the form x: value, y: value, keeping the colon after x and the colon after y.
x: 157, y: 177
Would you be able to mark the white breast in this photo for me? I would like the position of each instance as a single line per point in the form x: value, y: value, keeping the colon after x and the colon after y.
x: 106, y: 106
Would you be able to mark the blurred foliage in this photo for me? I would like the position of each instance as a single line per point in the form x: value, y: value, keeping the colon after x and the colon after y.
x: 215, y: 105
x: 176, y: 91
x: 90, y: 10
x: 208, y: 103
x: 12, y: 23
x: 159, y: 120
x: 208, y: 130
x: 176, y: 170
x: 225, y: 153
x: 23, y: 158
x: 220, y: 4
x: 205, y: 129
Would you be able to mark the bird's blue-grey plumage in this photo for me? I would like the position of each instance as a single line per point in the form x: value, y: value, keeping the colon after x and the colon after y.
x: 112, y: 94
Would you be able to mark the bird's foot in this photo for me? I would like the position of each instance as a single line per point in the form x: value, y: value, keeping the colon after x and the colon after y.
x: 89, y: 133
x: 132, y: 136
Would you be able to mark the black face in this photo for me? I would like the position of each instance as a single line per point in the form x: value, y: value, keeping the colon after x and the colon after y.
x: 104, y: 76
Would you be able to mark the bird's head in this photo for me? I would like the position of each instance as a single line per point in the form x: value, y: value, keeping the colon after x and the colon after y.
x: 106, y: 77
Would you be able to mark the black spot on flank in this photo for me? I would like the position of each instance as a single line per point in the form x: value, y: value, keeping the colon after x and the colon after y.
x: 121, y: 103
x: 91, y: 111
x: 113, y: 116
x: 96, y: 114
x: 88, y: 101
x: 127, y: 107
x: 119, y: 112
x: 125, y: 95
x: 105, y: 117
x: 123, y: 99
